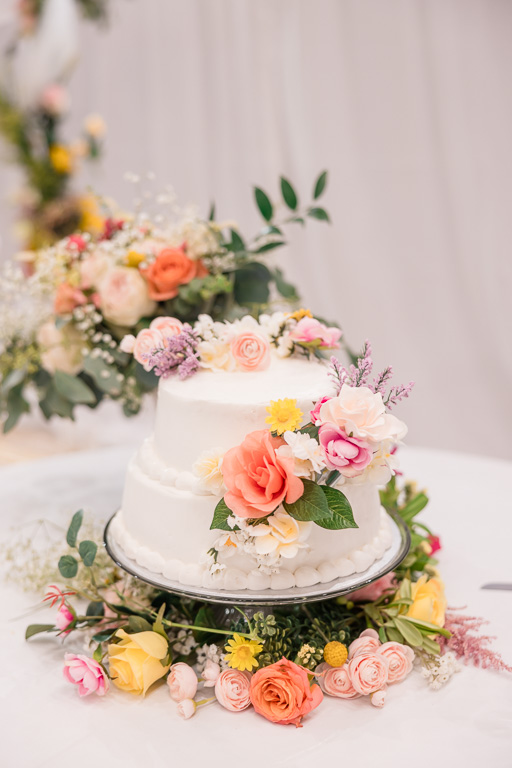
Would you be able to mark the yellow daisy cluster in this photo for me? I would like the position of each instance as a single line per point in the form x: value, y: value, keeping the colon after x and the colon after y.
x: 241, y: 653
x: 283, y: 415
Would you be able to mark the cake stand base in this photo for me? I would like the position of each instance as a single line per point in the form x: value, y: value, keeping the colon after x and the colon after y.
x: 251, y: 600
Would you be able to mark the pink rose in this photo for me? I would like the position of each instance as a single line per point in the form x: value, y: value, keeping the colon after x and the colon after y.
x: 147, y: 340
x: 124, y: 296
x: 232, y: 690
x: 182, y: 682
x: 367, y: 642
x: 86, y: 673
x: 378, y: 698
x: 67, y: 298
x: 64, y: 619
x: 211, y: 673
x: 400, y: 658
x: 368, y: 672
x: 250, y: 351
x: 258, y: 479
x: 309, y: 330
x: 375, y: 590
x: 335, y: 681
x: 349, y: 455
x: 187, y: 708
x: 168, y: 326
x: 314, y: 414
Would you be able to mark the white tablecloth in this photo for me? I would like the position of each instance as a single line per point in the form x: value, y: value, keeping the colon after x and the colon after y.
x: 466, y: 723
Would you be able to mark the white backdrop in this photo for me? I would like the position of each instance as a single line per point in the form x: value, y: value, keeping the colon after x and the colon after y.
x: 408, y: 104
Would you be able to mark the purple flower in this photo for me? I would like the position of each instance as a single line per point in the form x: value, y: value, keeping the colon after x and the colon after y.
x: 178, y: 356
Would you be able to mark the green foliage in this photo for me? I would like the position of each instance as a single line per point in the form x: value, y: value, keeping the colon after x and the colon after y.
x: 74, y: 527
x: 318, y: 213
x: 73, y: 389
x: 289, y: 194
x: 287, y: 290
x: 312, y: 505
x: 87, y: 551
x: 36, y: 629
x: 220, y: 516
x: 252, y: 284
x: 341, y: 511
x: 320, y: 185
x: 68, y: 566
x: 263, y: 202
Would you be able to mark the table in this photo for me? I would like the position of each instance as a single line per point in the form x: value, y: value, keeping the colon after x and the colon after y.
x: 468, y: 722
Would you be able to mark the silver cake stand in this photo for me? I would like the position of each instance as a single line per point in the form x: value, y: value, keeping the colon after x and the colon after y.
x: 392, y: 557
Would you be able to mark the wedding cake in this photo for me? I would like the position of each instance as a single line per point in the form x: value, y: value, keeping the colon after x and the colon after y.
x: 264, y: 466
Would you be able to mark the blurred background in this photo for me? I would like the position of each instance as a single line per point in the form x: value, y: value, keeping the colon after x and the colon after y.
x: 407, y: 103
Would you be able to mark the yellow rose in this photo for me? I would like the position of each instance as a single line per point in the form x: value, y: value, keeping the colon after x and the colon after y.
x: 429, y: 602
x: 135, y: 662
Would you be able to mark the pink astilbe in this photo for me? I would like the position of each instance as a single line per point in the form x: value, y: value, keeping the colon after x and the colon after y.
x: 178, y: 356
x: 470, y: 647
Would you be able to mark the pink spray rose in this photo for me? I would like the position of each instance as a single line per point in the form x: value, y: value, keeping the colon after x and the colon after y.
x: 375, y: 590
x: 187, y: 708
x: 67, y: 298
x: 309, y: 330
x: 367, y: 642
x: 232, y: 690
x: 400, y: 659
x: 335, y: 681
x: 182, y: 682
x: 378, y: 698
x: 168, y: 326
x: 250, y: 351
x: 368, y: 672
x: 349, y: 455
x: 314, y: 414
x: 64, y: 619
x: 87, y: 674
x: 147, y: 340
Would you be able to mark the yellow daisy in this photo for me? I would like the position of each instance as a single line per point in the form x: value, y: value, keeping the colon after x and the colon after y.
x: 284, y: 415
x: 241, y: 652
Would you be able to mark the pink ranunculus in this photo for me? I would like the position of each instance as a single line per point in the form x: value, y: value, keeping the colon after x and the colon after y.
x: 168, y: 326
x: 349, y: 455
x: 182, y: 682
x: 335, y: 681
x: 64, y: 619
x: 309, y: 330
x: 368, y: 672
x: 314, y: 414
x: 87, y: 674
x: 367, y: 642
x: 258, y: 479
x: 375, y: 590
x: 232, y: 690
x: 250, y: 351
x: 211, y: 673
x: 378, y: 698
x: 187, y: 708
x: 400, y: 659
x: 67, y: 298
x: 147, y: 340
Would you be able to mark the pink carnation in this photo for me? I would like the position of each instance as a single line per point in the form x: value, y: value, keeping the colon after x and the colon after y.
x: 250, y: 351
x: 368, y: 672
x: 400, y: 659
x: 335, y: 681
x: 87, y: 674
x: 367, y: 642
x: 309, y: 330
x: 349, y: 455
x: 232, y: 690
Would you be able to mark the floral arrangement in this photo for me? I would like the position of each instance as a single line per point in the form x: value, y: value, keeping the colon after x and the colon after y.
x: 282, y: 663
x: 64, y: 319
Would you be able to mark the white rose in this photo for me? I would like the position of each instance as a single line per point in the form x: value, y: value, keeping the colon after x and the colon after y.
x: 208, y: 468
x: 283, y: 535
x: 61, y: 348
x: 124, y: 296
x: 215, y: 355
x: 362, y: 413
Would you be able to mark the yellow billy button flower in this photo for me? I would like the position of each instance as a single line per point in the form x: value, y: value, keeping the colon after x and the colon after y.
x: 284, y: 415
x: 300, y: 313
x: 335, y: 653
x: 135, y: 662
x: 241, y: 653
x: 61, y: 159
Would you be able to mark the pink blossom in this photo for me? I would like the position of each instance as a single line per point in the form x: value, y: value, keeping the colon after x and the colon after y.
x: 187, y: 708
x: 375, y: 590
x: 147, y: 340
x: 349, y: 455
x: 64, y: 619
x: 182, y: 682
x: 87, y: 674
x: 67, y: 298
x: 335, y: 681
x: 310, y: 330
x: 232, y: 690
x: 127, y: 343
x: 76, y: 243
x: 168, y: 326
x: 367, y: 642
x: 368, y: 672
x: 314, y: 414
x: 400, y: 659
x: 379, y: 697
x: 54, y: 99
x: 211, y: 673
x: 435, y: 544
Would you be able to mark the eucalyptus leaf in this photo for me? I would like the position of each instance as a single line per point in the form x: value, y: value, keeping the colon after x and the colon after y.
x: 87, y: 551
x: 74, y: 527
x: 95, y: 609
x: 289, y: 194
x: 16, y: 406
x: 73, y: 389
x: 312, y: 505
x: 263, y: 203
x: 103, y: 375
x: 36, y: 629
x: 318, y: 213
x: 320, y: 185
x: 13, y: 379
x: 252, y: 284
x: 68, y: 566
x: 54, y: 403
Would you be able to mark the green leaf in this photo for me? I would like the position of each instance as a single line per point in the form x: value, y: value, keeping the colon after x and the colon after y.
x: 318, y: 213
x: 263, y: 203
x: 269, y: 246
x: 35, y: 629
x: 320, y: 185
x: 285, y: 289
x: 382, y: 635
x: 410, y: 633
x: 311, y: 430
x: 312, y: 505
x: 203, y: 618
x: 252, y: 284
x: 158, y: 626
x: 211, y: 213
x: 289, y: 194
x: 53, y: 403
x: 98, y: 654
x: 68, y: 566
x: 220, y: 516
x: 341, y: 511
x: 74, y: 527
x: 87, y: 551
x: 16, y: 406
x: 95, y: 609
x: 103, y: 375
x: 237, y: 242
x: 146, y: 379
x: 13, y: 379
x: 73, y: 389
x: 431, y: 646
x: 394, y: 635
x: 427, y: 627
x: 100, y: 637
x: 270, y: 230
x: 413, y: 507
x: 138, y: 624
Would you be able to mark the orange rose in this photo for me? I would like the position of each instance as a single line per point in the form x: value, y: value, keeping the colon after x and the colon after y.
x: 257, y: 478
x: 67, y: 298
x: 282, y: 693
x: 170, y: 269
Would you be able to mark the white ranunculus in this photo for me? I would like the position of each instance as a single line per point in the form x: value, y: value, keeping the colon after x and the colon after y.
x: 61, y: 348
x: 362, y: 413
x: 124, y: 296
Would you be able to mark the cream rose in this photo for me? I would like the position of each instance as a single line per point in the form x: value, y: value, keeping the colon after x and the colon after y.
x: 216, y: 355
x: 61, y: 348
x: 208, y: 468
x: 124, y: 296
x: 283, y: 535
x: 362, y: 413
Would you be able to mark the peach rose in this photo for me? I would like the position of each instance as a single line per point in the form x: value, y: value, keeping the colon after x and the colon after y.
x: 182, y: 682
x: 258, y: 479
x: 367, y: 642
x: 335, y: 681
x: 232, y: 690
x: 168, y: 326
x: 171, y: 268
x: 124, y: 296
x: 282, y: 693
x: 251, y: 351
x: 368, y: 672
x: 67, y: 298
x: 147, y: 340
x: 400, y: 659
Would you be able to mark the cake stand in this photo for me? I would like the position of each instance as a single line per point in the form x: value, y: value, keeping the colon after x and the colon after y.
x: 392, y: 557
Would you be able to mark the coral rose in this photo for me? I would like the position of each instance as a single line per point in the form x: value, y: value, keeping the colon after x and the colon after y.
x: 123, y: 296
x: 282, y: 693
x: 429, y: 602
x: 400, y: 659
x: 250, y: 351
x: 349, y: 455
x: 182, y: 682
x: 232, y: 690
x: 170, y: 269
x: 135, y: 662
x: 258, y: 479
x: 335, y: 681
x: 368, y: 672
x: 87, y: 674
x: 67, y: 298
x: 367, y: 642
